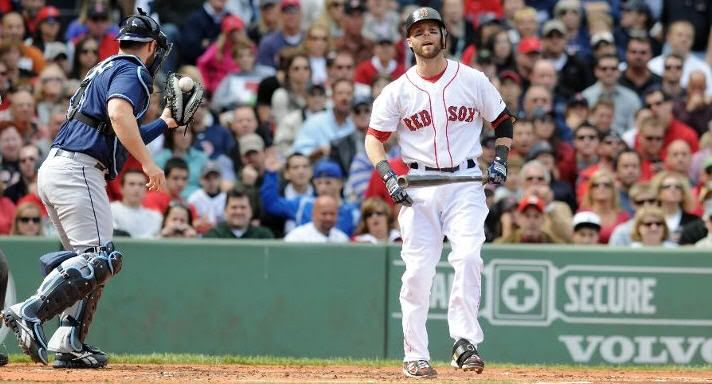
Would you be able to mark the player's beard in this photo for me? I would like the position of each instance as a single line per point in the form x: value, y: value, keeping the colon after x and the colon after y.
x: 429, y: 52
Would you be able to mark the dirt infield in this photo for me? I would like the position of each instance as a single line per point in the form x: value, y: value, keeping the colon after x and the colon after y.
x: 157, y: 373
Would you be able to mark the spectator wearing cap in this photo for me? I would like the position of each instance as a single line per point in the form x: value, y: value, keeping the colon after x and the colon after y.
x: 179, y: 143
x: 267, y: 22
x: 680, y: 36
x: 237, y: 223
x: 352, y: 24
x: 483, y: 62
x: 218, y: 60
x: 381, y: 22
x: 128, y: 214
x: 460, y: 31
x: 603, y: 44
x: 291, y: 124
x: 201, y: 28
x: 661, y: 105
x: 577, y: 39
x: 625, y: 100
x: 695, y: 109
x: 382, y: 64
x: 537, y: 179
x: 528, y: 51
x: 289, y: 34
x: 529, y: 217
x: 314, y: 139
x: 573, y: 74
x: 209, y: 200
x: 324, y: 226
x: 46, y: 34
x: 78, y: 26
x: 587, y: 228
x: 13, y: 27
x: 328, y: 180
x: 239, y: 87
x: 577, y: 111
x: 510, y: 87
x: 99, y: 26
x: 637, y: 76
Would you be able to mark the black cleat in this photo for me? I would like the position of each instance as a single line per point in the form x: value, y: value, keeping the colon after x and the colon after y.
x: 29, y: 334
x: 89, y: 357
x: 466, y: 357
x: 3, y: 359
x: 419, y: 369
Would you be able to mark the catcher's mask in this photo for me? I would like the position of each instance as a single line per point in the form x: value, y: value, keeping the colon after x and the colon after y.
x: 143, y: 28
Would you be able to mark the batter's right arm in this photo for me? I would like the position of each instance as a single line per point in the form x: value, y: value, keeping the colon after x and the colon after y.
x: 126, y: 129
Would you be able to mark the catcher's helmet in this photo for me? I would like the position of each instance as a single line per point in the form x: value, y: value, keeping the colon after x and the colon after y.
x: 423, y: 14
x: 143, y: 28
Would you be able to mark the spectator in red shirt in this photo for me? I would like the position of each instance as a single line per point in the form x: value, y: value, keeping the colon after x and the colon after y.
x: 176, y: 170
x: 382, y: 64
x: 661, y: 105
x: 99, y: 27
x: 651, y: 133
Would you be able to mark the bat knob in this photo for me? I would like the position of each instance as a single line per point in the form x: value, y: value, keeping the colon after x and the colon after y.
x: 402, y: 181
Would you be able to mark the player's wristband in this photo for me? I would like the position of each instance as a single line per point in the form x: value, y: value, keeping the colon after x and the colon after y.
x: 384, y: 169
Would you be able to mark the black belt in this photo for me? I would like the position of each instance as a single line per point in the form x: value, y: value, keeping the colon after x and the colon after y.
x: 72, y: 155
x: 99, y: 125
x: 471, y: 163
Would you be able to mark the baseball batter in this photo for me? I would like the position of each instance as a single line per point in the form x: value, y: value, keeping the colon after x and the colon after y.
x: 91, y: 146
x: 438, y: 107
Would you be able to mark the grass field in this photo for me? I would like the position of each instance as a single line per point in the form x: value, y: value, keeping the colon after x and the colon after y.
x: 185, y: 368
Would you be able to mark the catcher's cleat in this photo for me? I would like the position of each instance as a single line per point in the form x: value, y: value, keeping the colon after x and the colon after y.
x: 29, y: 334
x: 88, y: 357
x: 419, y: 369
x: 466, y: 357
x: 3, y: 359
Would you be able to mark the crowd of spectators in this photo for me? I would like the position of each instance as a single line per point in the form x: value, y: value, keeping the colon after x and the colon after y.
x: 613, y: 100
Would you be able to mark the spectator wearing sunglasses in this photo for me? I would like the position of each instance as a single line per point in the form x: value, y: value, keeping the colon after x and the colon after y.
x: 601, y: 198
x: 673, y: 192
x: 377, y: 224
x: 625, y: 100
x: 99, y: 26
x: 642, y: 195
x: 650, y: 230
x: 27, y: 221
x: 29, y: 163
x: 661, y: 105
x: 649, y: 144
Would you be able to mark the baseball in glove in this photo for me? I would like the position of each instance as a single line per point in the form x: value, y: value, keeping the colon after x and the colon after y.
x: 183, y: 97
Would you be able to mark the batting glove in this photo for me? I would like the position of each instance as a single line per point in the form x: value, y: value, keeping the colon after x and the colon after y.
x: 498, y: 169
x: 398, y: 194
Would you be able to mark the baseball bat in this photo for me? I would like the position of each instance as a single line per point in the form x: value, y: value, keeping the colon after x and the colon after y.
x: 429, y: 180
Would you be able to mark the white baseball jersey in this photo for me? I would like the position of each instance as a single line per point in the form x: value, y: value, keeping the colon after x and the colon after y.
x: 438, y: 123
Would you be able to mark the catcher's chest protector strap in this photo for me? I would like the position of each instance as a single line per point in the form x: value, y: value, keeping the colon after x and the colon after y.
x: 77, y: 100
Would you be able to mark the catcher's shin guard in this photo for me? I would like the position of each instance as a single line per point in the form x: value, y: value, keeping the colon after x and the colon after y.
x: 74, y: 324
x: 466, y: 357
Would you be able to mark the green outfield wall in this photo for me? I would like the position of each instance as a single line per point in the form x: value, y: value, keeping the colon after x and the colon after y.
x: 540, y: 304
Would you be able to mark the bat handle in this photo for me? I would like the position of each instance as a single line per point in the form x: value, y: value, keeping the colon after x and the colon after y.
x: 402, y: 181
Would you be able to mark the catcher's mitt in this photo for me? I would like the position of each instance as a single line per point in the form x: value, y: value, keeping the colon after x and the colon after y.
x: 182, y: 104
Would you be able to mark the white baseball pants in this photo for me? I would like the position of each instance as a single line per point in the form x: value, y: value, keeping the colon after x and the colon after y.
x: 457, y: 211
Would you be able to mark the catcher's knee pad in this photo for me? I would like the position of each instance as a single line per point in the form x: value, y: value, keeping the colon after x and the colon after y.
x: 71, y: 281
